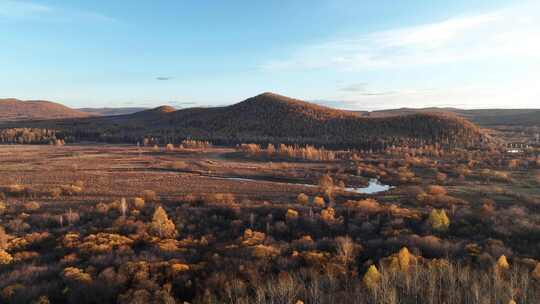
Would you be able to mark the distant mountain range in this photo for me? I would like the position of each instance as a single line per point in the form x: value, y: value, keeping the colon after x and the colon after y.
x: 15, y: 110
x: 271, y: 118
x: 112, y: 111
x: 483, y: 117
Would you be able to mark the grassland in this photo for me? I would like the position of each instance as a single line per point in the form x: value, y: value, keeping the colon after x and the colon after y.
x: 93, y: 223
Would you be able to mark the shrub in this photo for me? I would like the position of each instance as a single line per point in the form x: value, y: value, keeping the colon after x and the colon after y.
x: 2, y: 207
x: 263, y: 251
x: 436, y: 190
x: 4, y: 237
x: 318, y: 201
x: 326, y: 182
x: 291, y: 214
x: 149, y: 195
x: 345, y: 249
x: 16, y: 189
x: 195, y: 144
x: 102, y: 208
x: 302, y: 199
x: 251, y: 238
x: 76, y: 276
x: 55, y: 192
x: 31, y: 206
x: 138, y: 202
x: 5, y: 258
x: 328, y: 215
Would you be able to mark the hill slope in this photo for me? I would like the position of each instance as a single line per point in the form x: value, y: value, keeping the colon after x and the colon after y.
x: 16, y: 110
x: 274, y: 118
x: 483, y: 117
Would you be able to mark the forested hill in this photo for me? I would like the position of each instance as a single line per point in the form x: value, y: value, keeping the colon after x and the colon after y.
x: 272, y: 118
x: 15, y: 110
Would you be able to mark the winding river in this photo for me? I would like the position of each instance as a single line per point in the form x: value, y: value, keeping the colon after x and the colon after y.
x: 374, y: 185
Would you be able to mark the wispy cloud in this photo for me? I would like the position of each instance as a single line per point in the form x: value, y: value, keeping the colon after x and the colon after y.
x: 164, y: 78
x: 469, y: 97
x: 355, y: 87
x: 11, y: 10
x: 505, y: 34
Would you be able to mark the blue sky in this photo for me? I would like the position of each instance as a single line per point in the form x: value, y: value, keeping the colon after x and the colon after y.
x: 351, y: 54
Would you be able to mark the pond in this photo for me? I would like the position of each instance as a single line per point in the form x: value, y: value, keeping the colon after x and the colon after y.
x: 374, y: 185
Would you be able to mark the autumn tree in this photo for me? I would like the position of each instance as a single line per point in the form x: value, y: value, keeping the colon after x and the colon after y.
x: 372, y: 277
x: 5, y: 258
x: 439, y: 220
x: 318, y: 201
x: 161, y: 225
x: 345, y: 249
x: 302, y: 199
x: 404, y: 258
x: 326, y: 182
x: 3, y: 238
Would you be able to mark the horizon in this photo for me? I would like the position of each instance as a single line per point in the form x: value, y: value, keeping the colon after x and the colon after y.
x: 224, y: 105
x: 341, y: 54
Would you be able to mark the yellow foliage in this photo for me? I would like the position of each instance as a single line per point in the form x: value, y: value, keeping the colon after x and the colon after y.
x: 291, y: 214
x: 251, y: 237
x: 439, y: 220
x: 263, y: 251
x: 70, y: 240
x: 372, y: 277
x: 302, y: 199
x: 536, y: 271
x: 161, y: 225
x: 31, y: 206
x: 103, y: 242
x: 149, y: 195
x: 77, y: 275
x: 439, y: 263
x: 138, y: 202
x: 368, y: 205
x: 5, y: 258
x: 170, y: 245
x: 318, y: 201
x: 328, y: 214
x: 502, y: 263
x: 179, y: 267
x: 404, y: 258
x: 16, y: 188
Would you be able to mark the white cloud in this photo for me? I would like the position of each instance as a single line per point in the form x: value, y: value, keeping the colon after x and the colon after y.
x: 504, y: 34
x: 520, y: 93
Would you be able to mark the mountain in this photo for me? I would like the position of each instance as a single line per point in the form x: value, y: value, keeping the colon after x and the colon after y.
x: 112, y: 111
x: 272, y: 118
x: 522, y: 117
x: 16, y: 110
x: 482, y: 117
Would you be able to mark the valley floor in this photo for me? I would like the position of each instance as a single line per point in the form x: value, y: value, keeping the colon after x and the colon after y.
x: 95, y: 223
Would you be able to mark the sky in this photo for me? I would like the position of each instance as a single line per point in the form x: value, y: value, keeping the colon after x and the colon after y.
x: 352, y: 54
